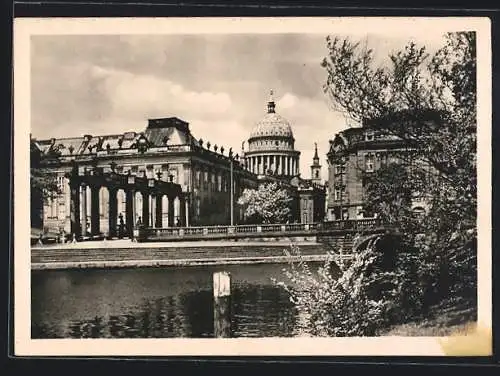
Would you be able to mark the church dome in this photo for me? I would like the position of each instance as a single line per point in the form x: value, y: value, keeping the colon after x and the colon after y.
x: 272, y: 124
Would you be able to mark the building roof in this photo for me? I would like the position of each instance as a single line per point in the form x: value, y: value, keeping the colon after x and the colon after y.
x: 272, y: 124
x: 159, y: 132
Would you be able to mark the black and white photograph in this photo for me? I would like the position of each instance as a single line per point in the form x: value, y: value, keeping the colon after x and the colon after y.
x: 267, y: 185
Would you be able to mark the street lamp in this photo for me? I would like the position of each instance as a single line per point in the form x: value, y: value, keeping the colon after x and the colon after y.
x: 232, y: 185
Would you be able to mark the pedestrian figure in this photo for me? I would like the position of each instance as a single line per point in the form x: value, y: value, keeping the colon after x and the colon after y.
x: 74, y: 239
x: 40, y: 239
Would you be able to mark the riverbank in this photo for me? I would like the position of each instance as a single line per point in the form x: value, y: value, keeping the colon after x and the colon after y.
x: 127, y: 254
x: 454, y: 317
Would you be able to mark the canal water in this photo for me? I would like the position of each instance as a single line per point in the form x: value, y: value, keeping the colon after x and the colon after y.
x: 157, y: 302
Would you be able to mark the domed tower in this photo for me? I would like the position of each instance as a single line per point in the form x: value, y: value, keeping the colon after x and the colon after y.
x: 271, y: 146
x: 316, y: 167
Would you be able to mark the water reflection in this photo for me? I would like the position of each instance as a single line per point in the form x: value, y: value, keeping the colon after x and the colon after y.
x: 156, y: 303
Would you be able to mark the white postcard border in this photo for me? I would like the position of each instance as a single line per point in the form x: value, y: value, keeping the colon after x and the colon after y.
x: 25, y: 28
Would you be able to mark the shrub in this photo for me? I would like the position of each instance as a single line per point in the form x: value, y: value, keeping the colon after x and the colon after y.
x: 364, y: 297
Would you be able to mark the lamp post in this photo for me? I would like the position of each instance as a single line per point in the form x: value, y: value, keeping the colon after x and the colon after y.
x: 232, y: 185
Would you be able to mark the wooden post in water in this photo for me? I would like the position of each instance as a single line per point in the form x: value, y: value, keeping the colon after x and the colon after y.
x: 222, y: 305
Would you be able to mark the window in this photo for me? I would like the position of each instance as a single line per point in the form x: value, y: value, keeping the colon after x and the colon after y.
x: 61, y: 183
x: 338, y: 194
x: 339, y: 169
x: 173, y: 173
x: 198, y: 178
x: 316, y: 175
x: 369, y: 162
x: 383, y: 159
x: 62, y: 211
x: 219, y: 183
x: 360, y: 212
x: 418, y: 212
x: 198, y: 206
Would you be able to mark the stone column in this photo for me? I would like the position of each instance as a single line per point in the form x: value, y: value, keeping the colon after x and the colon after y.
x: 113, y: 206
x: 145, y: 209
x: 171, y: 222
x: 129, y: 212
x: 75, y: 210
x: 84, y: 210
x: 186, y: 203
x: 182, y: 211
x: 159, y: 211
x: 283, y: 165
x: 152, y: 210
x: 94, y: 211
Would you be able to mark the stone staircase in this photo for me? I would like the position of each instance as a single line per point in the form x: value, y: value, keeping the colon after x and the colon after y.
x: 78, y: 255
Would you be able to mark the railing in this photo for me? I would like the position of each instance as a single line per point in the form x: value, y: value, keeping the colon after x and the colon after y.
x: 225, y: 231
x: 240, y: 231
x: 353, y: 224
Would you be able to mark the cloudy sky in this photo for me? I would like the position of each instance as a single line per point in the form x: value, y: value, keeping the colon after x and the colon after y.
x: 218, y: 83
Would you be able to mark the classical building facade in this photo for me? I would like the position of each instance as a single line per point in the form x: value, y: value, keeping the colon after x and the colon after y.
x: 163, y: 177
x: 355, y: 154
x: 165, y: 151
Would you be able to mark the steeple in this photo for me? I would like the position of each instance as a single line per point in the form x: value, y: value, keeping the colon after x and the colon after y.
x: 316, y: 167
x: 315, y: 158
x: 270, y: 104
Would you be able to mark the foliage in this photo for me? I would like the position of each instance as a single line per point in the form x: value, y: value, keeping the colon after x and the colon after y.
x: 363, y: 298
x: 428, y: 101
x: 44, y: 183
x: 270, y: 203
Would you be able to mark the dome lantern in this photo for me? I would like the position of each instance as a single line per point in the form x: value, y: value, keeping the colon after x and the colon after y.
x: 270, y: 104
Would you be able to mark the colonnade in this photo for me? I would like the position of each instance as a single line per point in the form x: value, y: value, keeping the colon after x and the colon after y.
x: 281, y: 164
x: 85, y: 201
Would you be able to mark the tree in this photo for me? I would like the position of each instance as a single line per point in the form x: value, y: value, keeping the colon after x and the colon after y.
x: 44, y: 182
x: 268, y: 204
x: 429, y: 102
x: 43, y: 186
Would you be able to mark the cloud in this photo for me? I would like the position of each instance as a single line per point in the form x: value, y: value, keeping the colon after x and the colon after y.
x: 142, y: 95
x: 287, y: 101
